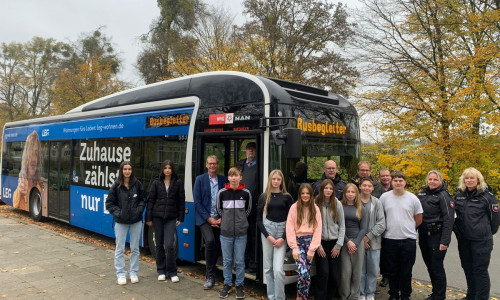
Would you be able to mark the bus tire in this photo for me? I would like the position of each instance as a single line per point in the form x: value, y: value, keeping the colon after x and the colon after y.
x: 152, y: 243
x: 36, y: 206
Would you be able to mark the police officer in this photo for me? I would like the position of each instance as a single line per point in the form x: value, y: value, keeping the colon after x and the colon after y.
x: 476, y: 222
x: 435, y: 231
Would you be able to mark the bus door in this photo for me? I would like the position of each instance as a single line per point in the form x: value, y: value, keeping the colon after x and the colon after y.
x: 230, y: 148
x: 59, y: 179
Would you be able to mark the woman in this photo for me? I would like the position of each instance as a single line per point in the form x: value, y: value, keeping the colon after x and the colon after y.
x: 303, y: 232
x: 476, y: 222
x: 126, y: 203
x: 372, y: 240
x: 352, y: 254
x: 166, y: 211
x: 434, y: 235
x: 272, y: 211
x: 30, y: 174
x: 332, y: 239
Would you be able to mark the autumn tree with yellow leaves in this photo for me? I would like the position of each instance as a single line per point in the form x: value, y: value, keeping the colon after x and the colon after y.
x: 432, y: 66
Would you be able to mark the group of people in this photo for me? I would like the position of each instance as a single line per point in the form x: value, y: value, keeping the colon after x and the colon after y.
x: 353, y: 231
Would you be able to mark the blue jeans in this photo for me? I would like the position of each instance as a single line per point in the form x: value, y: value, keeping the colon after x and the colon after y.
x: 164, y: 237
x: 370, y: 272
x: 121, y: 237
x: 233, y: 247
x: 273, y: 260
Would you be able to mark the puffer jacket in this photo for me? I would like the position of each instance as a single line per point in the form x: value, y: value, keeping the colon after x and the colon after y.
x: 477, y: 215
x: 166, y: 204
x: 126, y: 205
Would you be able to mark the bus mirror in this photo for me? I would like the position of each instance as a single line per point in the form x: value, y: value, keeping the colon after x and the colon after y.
x: 293, y: 147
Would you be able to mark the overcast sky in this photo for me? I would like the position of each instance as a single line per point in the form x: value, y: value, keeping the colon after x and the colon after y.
x: 65, y: 20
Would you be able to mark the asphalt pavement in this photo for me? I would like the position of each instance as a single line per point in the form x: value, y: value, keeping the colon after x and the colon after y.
x: 37, y: 262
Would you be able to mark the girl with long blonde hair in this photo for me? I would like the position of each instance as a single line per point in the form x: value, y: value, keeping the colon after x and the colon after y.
x: 272, y: 211
x: 352, y: 254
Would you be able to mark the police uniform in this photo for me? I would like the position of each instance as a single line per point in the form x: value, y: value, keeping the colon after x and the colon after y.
x: 436, y: 228
x: 476, y: 222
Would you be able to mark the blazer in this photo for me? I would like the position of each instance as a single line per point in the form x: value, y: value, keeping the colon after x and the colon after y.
x: 203, y: 197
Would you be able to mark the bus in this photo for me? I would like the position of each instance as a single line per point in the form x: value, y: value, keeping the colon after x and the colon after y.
x: 63, y: 166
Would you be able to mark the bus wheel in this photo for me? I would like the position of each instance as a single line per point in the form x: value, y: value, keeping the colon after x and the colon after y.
x: 36, y: 206
x: 152, y: 243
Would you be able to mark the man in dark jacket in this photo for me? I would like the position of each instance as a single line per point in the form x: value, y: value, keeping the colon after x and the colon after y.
x: 330, y: 172
x: 206, y: 187
x: 364, y: 169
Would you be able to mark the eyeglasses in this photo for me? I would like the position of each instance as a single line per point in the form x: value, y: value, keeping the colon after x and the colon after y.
x: 331, y: 168
x: 364, y: 170
x: 212, y: 164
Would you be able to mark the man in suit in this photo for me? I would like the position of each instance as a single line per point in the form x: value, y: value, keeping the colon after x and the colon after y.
x: 206, y: 187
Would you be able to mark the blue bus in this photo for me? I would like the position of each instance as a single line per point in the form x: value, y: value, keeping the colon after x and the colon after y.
x: 63, y: 166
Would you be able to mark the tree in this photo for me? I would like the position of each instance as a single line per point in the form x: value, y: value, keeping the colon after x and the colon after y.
x: 168, y: 39
x: 433, y: 67
x: 299, y: 40
x: 88, y: 73
x: 11, y: 80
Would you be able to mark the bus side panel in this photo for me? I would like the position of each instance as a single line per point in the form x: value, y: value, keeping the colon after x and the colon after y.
x: 88, y: 211
x: 185, y: 234
x: 9, y: 185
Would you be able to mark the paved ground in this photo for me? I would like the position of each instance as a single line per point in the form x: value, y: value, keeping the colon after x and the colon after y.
x: 37, y: 262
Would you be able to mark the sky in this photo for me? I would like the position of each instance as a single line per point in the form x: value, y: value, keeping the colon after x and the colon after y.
x: 65, y: 20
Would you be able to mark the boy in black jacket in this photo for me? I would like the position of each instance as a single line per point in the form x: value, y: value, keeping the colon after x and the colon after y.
x: 234, y: 204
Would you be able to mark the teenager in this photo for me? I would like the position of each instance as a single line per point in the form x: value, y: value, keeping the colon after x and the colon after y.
x: 352, y: 254
x: 272, y: 211
x: 126, y: 202
x: 303, y: 232
x: 165, y: 212
x: 234, y: 204
x: 332, y: 238
x: 372, y: 240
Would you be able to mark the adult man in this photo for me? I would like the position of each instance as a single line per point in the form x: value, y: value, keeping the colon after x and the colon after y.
x: 250, y: 173
x: 206, y: 187
x: 364, y: 169
x: 385, y: 179
x: 403, y: 213
x: 330, y: 172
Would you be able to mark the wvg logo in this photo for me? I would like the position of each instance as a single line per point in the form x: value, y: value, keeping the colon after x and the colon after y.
x: 45, y: 132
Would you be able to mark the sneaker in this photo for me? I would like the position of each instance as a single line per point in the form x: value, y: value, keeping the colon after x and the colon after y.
x: 134, y: 278
x: 240, y: 294
x: 209, y: 283
x: 370, y: 298
x: 174, y: 278
x: 161, y: 277
x: 362, y: 298
x: 225, y: 291
x: 122, y: 280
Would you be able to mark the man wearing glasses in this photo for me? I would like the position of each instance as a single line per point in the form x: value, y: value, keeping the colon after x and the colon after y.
x: 206, y: 187
x: 330, y: 172
x: 364, y: 169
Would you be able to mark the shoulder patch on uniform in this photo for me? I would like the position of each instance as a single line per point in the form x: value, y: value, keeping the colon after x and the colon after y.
x: 494, y: 207
x: 452, y: 204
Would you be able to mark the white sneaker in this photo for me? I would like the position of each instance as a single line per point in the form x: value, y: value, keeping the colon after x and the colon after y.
x: 122, y: 280
x: 161, y: 277
x: 370, y: 298
x: 174, y: 278
x: 134, y: 278
x: 361, y: 298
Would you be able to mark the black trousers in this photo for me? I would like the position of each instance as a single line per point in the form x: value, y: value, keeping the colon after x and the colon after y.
x: 475, y: 258
x: 327, y: 272
x: 164, y: 237
x: 434, y: 260
x: 401, y: 256
x: 212, y: 247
